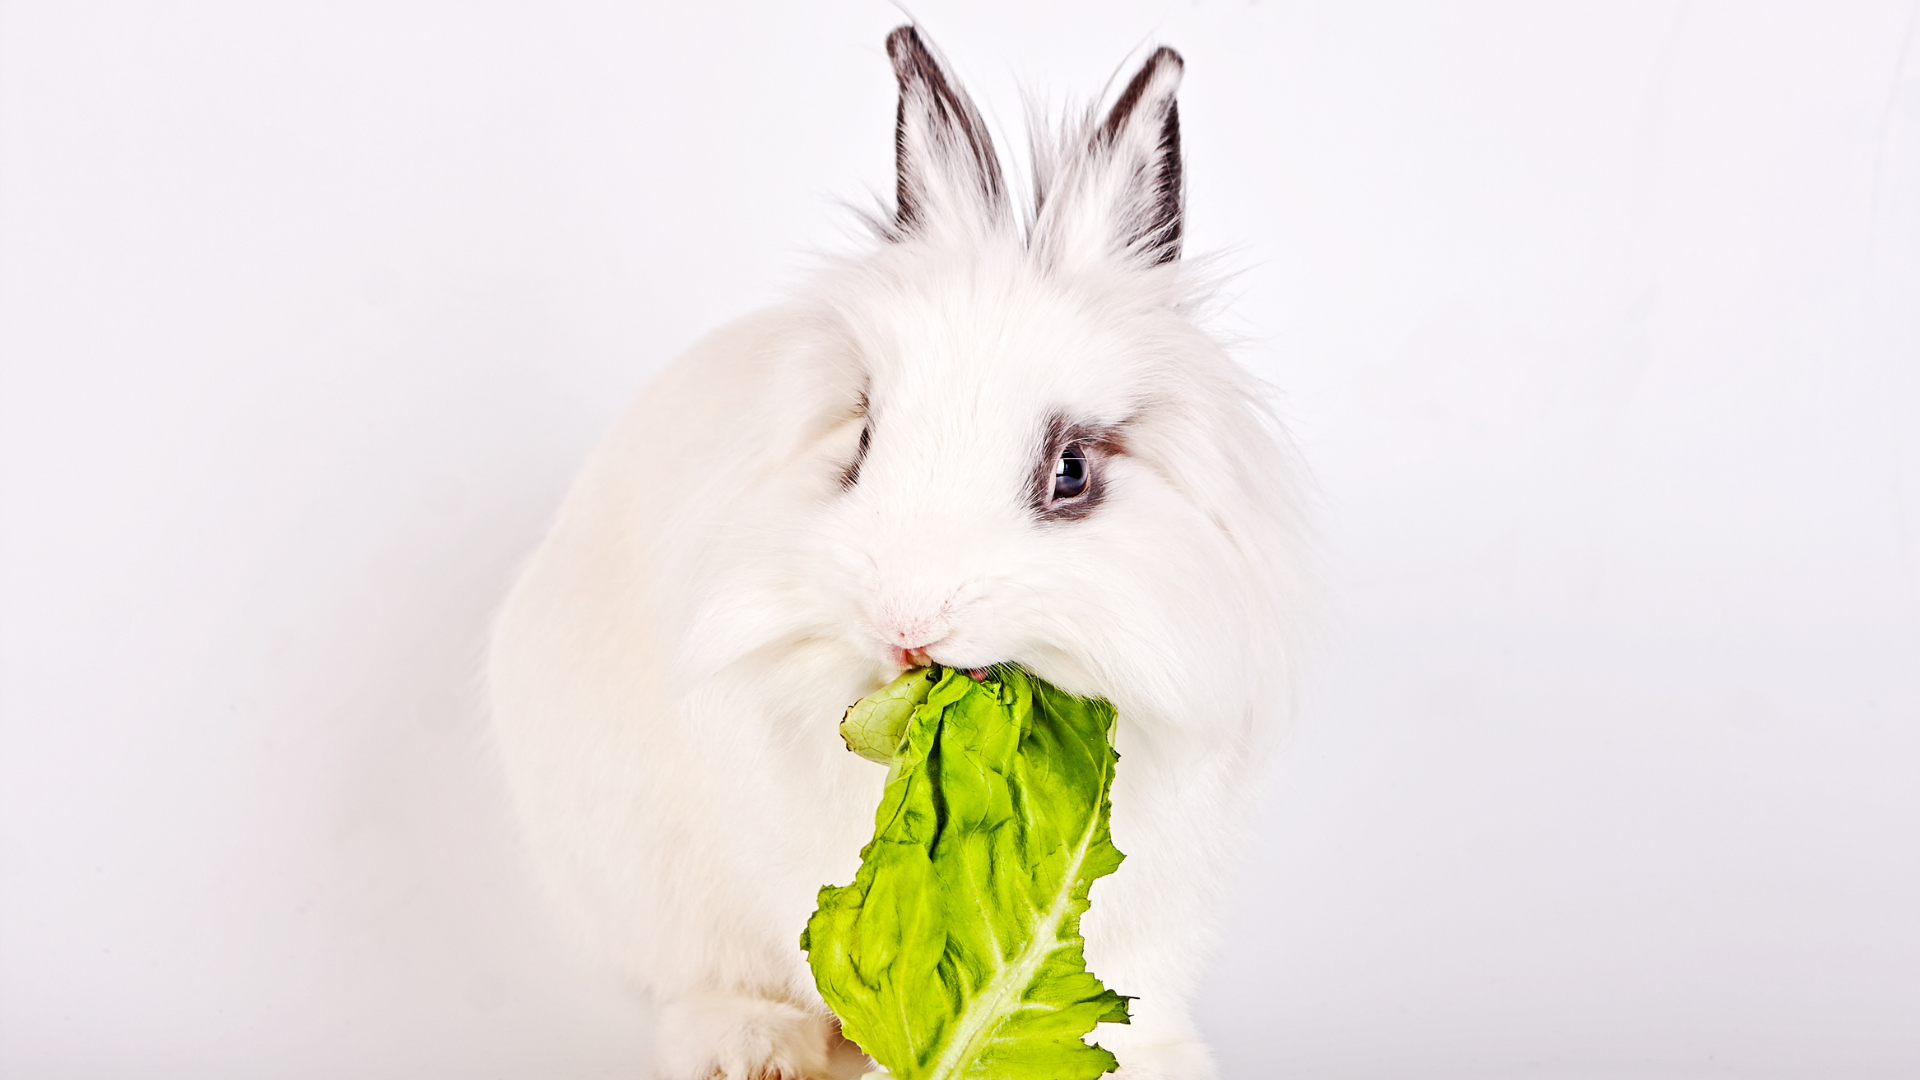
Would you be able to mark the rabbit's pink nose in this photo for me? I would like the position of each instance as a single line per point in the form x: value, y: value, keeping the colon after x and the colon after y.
x: 908, y: 639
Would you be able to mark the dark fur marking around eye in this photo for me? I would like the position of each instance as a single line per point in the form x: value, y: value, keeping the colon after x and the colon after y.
x: 948, y: 112
x: 852, y: 475
x: 1097, y: 445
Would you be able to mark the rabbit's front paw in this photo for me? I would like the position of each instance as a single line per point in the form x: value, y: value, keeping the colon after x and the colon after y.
x: 733, y: 1037
x: 1157, y: 1059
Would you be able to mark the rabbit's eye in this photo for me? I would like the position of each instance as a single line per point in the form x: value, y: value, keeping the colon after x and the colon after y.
x: 1070, y: 473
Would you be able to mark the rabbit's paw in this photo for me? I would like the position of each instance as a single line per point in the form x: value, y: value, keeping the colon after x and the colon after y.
x: 1157, y: 1059
x: 732, y: 1037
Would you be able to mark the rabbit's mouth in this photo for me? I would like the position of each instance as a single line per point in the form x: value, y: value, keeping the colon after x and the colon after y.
x: 918, y: 658
x: 911, y: 658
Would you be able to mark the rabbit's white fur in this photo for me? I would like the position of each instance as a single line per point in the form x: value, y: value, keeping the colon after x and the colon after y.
x: 669, y: 672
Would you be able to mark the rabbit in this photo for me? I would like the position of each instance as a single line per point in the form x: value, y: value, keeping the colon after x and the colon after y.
x: 999, y: 435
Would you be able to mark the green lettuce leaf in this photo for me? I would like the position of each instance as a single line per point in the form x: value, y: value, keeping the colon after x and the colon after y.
x: 875, y: 725
x: 956, y: 952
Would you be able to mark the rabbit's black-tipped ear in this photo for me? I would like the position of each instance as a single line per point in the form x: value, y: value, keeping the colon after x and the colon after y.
x: 1142, y: 135
x: 947, y: 169
x: 1121, y: 191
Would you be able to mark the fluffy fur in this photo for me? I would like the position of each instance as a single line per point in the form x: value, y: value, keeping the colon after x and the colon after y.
x: 820, y: 490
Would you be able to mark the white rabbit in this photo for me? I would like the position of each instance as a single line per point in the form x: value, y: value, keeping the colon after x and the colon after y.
x: 998, y: 437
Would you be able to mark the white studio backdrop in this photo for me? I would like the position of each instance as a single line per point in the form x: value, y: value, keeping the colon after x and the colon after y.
x: 1599, y: 323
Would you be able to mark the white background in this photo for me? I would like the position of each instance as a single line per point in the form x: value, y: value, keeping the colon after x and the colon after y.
x: 1599, y: 323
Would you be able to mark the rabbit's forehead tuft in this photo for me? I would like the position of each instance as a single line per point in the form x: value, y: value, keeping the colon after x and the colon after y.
x: 970, y: 343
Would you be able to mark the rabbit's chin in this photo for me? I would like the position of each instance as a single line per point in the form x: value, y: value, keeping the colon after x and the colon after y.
x: 908, y: 660
x: 958, y: 661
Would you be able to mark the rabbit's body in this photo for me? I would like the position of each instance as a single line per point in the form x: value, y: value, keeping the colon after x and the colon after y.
x: 980, y: 444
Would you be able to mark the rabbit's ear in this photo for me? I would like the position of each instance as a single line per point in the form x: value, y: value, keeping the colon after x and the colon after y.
x: 1120, y: 191
x: 944, y: 158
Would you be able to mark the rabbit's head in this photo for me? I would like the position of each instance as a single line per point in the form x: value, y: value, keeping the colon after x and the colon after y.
x: 1010, y: 442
